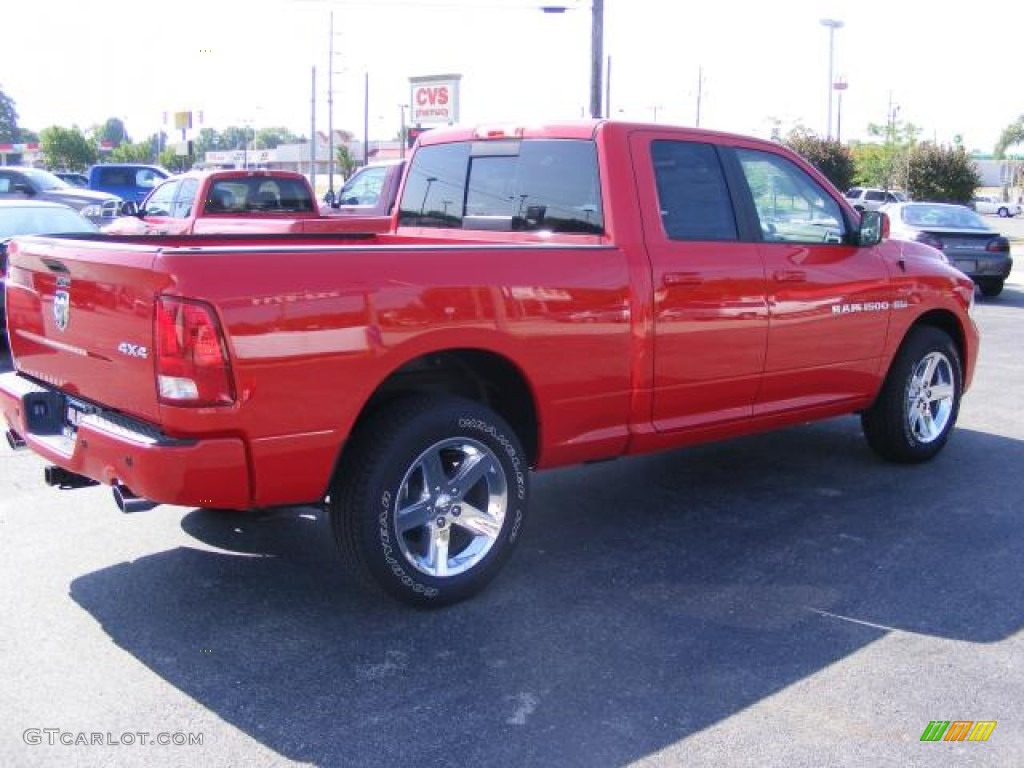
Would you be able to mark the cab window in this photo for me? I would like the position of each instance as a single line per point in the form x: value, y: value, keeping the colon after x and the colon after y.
x: 186, y: 198
x: 692, y: 193
x: 161, y: 202
x: 791, y: 205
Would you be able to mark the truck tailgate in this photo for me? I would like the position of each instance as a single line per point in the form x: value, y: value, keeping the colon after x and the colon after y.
x: 81, y: 319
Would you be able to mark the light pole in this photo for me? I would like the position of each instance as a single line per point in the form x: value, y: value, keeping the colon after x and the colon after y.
x: 840, y: 85
x: 401, y: 133
x: 330, y: 115
x: 596, y: 49
x: 833, y: 25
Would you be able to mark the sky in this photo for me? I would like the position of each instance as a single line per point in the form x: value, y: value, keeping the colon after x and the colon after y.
x: 760, y: 64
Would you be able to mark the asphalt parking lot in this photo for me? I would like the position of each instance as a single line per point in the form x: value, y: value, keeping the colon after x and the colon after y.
x: 783, y: 600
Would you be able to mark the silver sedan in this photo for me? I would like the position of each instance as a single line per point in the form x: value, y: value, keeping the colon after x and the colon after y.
x: 962, y: 235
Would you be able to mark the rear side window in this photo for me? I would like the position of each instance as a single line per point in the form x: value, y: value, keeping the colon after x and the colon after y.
x: 692, y: 194
x: 549, y: 185
x: 116, y: 177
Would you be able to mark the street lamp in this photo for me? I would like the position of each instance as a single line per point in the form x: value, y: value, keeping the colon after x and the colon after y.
x: 833, y: 25
x: 596, y: 50
x: 840, y: 85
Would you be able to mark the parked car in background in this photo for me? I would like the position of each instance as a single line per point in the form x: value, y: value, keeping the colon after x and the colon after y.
x: 990, y: 204
x: 235, y: 202
x: 72, y: 178
x: 19, y: 183
x: 369, y: 192
x: 871, y: 199
x: 129, y: 181
x: 968, y: 243
x: 34, y: 217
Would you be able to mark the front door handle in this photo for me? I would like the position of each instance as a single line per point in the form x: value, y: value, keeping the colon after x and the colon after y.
x: 682, y: 278
x: 790, y: 276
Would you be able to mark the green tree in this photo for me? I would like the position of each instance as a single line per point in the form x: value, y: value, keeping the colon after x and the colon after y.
x: 884, y: 164
x: 207, y: 140
x: 235, y: 137
x: 132, y: 153
x: 941, y: 173
x: 9, y: 131
x: 270, y: 138
x: 113, y: 131
x: 1012, y: 134
x: 829, y: 156
x: 346, y: 163
x: 66, y: 148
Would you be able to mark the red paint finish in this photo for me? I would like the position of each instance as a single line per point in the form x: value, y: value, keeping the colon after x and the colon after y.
x: 625, y: 341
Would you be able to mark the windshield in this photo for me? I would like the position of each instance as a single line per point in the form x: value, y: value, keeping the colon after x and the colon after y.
x: 948, y: 216
x: 40, y: 220
x: 45, y: 180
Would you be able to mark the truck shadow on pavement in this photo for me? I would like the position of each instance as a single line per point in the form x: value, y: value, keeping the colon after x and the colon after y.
x: 649, y: 599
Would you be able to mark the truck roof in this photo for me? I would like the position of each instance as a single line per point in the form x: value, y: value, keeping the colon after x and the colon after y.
x: 565, y: 129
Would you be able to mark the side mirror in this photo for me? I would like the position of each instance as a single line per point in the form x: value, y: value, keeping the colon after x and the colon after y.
x: 874, y: 228
x: 25, y: 189
x: 129, y: 208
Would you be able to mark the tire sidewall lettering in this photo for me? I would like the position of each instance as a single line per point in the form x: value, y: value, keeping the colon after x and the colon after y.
x: 383, y: 525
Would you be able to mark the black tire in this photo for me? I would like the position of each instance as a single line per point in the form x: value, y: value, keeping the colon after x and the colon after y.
x: 470, y: 528
x: 990, y: 286
x: 1004, y: 212
x: 917, y: 408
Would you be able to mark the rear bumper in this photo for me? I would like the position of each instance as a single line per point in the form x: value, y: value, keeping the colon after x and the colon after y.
x: 113, y: 449
x: 996, y: 265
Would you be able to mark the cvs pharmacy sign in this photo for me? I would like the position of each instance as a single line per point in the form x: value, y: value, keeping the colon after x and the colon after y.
x: 434, y: 99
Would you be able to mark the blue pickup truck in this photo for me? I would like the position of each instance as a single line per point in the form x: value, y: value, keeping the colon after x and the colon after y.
x: 129, y: 181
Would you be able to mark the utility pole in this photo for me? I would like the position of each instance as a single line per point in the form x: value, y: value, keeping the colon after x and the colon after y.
x: 330, y: 115
x: 700, y: 91
x: 312, y: 134
x: 596, y: 57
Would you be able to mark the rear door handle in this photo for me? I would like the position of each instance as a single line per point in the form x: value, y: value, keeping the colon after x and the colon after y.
x: 682, y: 278
x: 790, y: 276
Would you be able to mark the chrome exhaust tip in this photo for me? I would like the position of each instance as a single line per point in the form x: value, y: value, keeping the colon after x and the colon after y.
x: 58, y: 477
x: 128, y: 502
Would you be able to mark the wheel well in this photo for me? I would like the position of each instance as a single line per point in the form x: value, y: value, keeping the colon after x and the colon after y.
x: 947, y: 322
x: 474, y: 374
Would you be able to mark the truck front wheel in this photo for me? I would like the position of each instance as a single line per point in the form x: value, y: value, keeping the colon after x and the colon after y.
x: 430, y: 499
x: 920, y: 399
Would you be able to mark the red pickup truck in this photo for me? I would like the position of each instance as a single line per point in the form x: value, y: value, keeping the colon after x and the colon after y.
x: 237, y: 202
x: 550, y: 295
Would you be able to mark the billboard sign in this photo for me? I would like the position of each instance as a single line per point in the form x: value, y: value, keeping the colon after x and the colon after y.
x: 434, y: 100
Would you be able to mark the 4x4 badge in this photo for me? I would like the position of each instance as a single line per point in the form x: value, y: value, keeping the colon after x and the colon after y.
x: 62, y: 309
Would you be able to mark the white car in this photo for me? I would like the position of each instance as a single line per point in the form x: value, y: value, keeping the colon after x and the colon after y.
x: 991, y: 204
x: 871, y: 198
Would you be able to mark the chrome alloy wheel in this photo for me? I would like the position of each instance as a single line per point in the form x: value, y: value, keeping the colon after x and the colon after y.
x: 930, y: 397
x: 450, y: 507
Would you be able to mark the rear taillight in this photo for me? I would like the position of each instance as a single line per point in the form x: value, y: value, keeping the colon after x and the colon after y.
x: 998, y: 245
x: 929, y: 239
x: 191, y: 356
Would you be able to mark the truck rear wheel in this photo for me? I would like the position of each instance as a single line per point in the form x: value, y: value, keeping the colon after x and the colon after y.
x: 920, y: 399
x: 430, y: 499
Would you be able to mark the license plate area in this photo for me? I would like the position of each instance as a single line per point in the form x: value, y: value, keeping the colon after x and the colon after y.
x: 966, y: 265
x: 74, y: 412
x: 53, y: 413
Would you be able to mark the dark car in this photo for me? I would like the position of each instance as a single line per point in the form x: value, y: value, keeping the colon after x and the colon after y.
x: 72, y: 178
x: 962, y: 235
x: 17, y: 183
x: 34, y: 217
